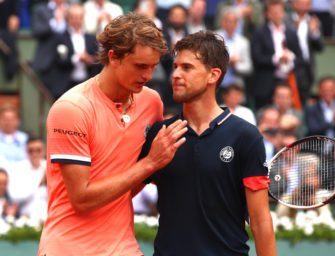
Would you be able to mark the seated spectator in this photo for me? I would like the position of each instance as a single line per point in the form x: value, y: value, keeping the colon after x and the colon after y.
x: 98, y: 13
x: 9, y: 26
x: 268, y: 121
x: 284, y: 211
x: 290, y: 124
x: 232, y: 97
x: 283, y: 101
x: 27, y: 184
x: 7, y: 208
x: 12, y: 140
x: 240, y: 64
x: 320, y: 118
x: 196, y: 18
x: 145, y: 201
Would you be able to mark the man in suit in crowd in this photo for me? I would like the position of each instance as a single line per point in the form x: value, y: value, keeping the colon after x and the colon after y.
x: 174, y: 29
x: 275, y: 52
x: 310, y: 38
x: 74, y: 54
x: 9, y: 25
x: 48, y: 19
x: 320, y: 118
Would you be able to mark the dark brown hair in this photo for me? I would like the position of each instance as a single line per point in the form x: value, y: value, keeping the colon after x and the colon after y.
x: 210, y: 49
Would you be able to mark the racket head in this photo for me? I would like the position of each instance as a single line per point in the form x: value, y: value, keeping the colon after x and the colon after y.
x: 302, y: 174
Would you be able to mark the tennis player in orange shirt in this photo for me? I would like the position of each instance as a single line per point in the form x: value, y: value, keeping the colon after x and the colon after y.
x: 95, y: 133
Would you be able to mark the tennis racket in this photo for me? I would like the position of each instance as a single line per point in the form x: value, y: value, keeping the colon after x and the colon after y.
x: 302, y: 174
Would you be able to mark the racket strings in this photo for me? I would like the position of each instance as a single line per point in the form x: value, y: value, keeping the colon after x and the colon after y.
x: 303, y: 175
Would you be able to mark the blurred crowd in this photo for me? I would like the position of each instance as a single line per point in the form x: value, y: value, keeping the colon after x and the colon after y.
x: 272, y: 46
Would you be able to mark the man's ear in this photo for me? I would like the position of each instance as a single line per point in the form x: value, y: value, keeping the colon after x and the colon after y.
x: 112, y: 57
x: 214, y: 75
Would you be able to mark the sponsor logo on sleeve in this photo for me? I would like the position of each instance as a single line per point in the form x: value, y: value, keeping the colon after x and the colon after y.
x: 69, y: 132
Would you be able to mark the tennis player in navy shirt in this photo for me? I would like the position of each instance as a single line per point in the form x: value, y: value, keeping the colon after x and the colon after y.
x: 217, y: 179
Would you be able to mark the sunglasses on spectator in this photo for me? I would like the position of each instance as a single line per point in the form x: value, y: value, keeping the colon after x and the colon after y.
x: 34, y: 150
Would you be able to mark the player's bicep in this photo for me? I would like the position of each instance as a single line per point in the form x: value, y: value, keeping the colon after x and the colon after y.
x: 76, y: 179
x: 258, y: 203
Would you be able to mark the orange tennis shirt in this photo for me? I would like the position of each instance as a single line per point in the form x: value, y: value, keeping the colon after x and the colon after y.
x: 84, y: 127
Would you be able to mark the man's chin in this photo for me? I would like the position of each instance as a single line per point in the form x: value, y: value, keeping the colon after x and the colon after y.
x: 178, y: 99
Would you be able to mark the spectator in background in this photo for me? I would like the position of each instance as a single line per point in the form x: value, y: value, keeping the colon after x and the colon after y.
x: 269, y: 127
x: 74, y: 54
x: 196, y: 16
x: 251, y: 13
x: 164, y: 7
x: 323, y: 9
x: 9, y: 26
x: 320, y: 118
x: 232, y: 97
x: 98, y: 13
x: 240, y: 64
x: 145, y: 202
x: 275, y: 53
x: 174, y: 30
x: 27, y: 183
x: 7, y: 209
x: 12, y: 140
x: 48, y: 19
x: 149, y: 8
x: 310, y: 38
x: 290, y: 117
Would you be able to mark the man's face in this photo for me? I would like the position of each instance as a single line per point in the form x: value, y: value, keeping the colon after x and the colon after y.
x: 189, y: 78
x: 177, y: 18
x: 35, y: 151
x: 59, y: 2
x: 229, y: 23
x: 301, y: 6
x: 135, y: 69
x: 75, y: 17
x: 9, y: 122
x: 275, y: 13
x: 283, y: 98
x: 327, y: 90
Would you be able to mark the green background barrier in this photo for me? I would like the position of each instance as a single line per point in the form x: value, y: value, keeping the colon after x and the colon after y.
x: 284, y: 248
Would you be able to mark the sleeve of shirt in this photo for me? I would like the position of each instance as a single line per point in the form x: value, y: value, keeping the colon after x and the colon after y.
x: 255, y: 172
x: 68, y: 134
x: 147, y: 145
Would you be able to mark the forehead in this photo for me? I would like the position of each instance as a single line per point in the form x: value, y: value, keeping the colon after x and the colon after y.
x: 143, y: 54
x: 187, y: 56
x: 34, y: 143
x: 328, y: 83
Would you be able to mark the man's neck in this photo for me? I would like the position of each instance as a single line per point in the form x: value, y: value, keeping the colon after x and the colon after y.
x: 199, y: 114
x: 109, y: 87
